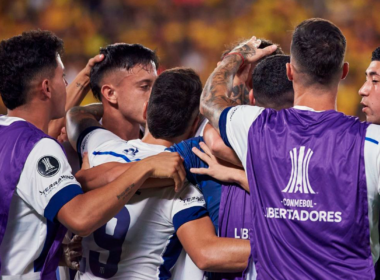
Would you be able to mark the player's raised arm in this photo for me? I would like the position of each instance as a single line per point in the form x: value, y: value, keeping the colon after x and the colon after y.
x: 76, y: 91
x: 216, y: 95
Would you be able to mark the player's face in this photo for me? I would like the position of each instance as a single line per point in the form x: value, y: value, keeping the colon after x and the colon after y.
x: 58, y: 91
x: 370, y: 93
x: 134, y: 90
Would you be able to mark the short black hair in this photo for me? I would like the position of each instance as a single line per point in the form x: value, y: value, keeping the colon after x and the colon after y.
x: 376, y: 55
x: 318, y: 47
x: 119, y: 56
x: 264, y: 43
x: 173, y: 102
x: 271, y: 87
x: 22, y: 59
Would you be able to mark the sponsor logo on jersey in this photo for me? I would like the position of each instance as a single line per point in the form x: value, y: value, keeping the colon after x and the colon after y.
x: 190, y: 200
x: 48, y: 166
x: 299, y: 178
x: 46, y: 191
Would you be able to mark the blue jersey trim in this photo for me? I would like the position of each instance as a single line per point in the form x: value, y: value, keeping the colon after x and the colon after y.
x: 82, y: 135
x: 170, y: 257
x: 187, y: 215
x: 51, y: 232
x: 223, y: 126
x: 372, y: 140
x: 112, y: 154
x: 59, y: 199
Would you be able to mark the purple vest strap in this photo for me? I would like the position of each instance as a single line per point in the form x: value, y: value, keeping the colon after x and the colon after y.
x: 234, y: 220
x: 309, y: 196
x: 17, y: 141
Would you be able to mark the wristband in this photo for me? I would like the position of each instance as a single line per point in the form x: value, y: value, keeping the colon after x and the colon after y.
x: 239, y: 54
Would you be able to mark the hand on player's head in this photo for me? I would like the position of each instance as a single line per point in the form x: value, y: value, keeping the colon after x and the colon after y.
x: 91, y: 63
x: 250, y: 52
x: 168, y: 165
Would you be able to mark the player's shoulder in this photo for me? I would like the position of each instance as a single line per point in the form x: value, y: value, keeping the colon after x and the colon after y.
x: 47, y: 158
x: 47, y: 145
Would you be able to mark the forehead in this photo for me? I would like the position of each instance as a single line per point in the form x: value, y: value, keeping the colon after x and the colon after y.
x: 374, y: 67
x: 137, y: 73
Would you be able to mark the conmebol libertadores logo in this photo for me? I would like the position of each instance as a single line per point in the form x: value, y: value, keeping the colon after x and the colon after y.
x: 299, y: 178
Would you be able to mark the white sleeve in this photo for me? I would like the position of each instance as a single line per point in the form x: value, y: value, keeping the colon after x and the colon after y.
x: 372, y: 159
x: 93, y: 138
x: 234, y: 125
x: 189, y: 204
x: 46, y: 182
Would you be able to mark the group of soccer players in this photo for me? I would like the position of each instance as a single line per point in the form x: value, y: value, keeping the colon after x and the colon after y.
x: 253, y: 176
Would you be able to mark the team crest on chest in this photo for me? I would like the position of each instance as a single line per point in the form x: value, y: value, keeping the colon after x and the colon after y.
x: 48, y: 166
x: 131, y: 151
x: 299, y: 178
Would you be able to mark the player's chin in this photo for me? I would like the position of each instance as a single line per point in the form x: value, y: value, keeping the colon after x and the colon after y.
x: 373, y: 119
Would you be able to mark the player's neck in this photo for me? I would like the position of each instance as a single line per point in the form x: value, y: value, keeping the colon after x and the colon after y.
x: 149, y: 139
x: 319, y: 99
x: 120, y: 126
x: 38, y: 116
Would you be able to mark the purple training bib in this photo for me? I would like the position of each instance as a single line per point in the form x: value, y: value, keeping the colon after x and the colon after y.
x: 309, y: 196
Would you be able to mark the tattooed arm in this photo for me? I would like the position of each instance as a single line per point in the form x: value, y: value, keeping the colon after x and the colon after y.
x: 76, y: 91
x: 80, y: 118
x: 218, y: 92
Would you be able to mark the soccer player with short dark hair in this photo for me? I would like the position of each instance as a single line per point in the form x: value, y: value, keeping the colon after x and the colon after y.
x: 270, y: 85
x: 39, y: 196
x: 313, y: 172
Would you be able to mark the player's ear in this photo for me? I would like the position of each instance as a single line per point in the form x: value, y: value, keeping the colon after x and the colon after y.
x: 145, y: 110
x: 46, y: 89
x: 109, y: 94
x: 251, y: 97
x: 289, y: 71
x: 346, y: 68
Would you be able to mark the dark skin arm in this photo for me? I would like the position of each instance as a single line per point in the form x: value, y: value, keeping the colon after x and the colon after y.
x: 76, y: 91
x: 217, y: 93
x: 212, y: 253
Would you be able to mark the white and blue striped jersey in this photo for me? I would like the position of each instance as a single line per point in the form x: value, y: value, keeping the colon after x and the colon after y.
x: 140, y: 242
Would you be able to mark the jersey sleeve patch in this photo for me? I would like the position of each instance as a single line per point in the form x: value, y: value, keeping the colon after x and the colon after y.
x: 187, y: 215
x: 59, y: 199
x: 48, y: 166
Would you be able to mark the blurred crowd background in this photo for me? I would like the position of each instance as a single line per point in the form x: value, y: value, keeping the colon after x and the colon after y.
x: 194, y: 33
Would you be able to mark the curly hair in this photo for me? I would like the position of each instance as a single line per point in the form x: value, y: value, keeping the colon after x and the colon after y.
x: 22, y: 59
x: 376, y: 55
